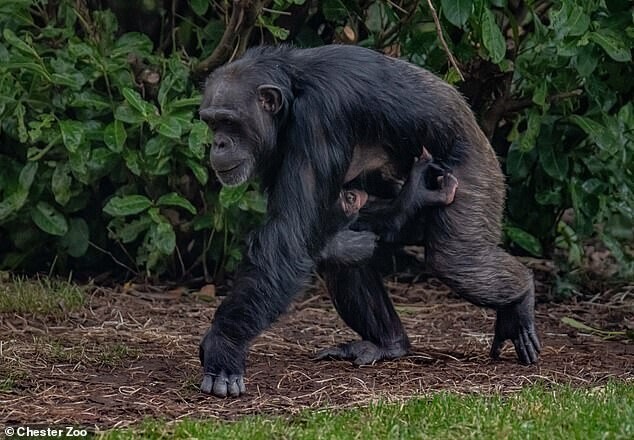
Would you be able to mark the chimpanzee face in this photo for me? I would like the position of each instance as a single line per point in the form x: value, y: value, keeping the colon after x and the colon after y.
x: 351, y: 201
x: 242, y: 120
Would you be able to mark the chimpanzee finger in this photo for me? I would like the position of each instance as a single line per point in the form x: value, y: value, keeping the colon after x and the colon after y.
x: 496, y: 347
x: 535, y: 340
x: 520, y: 349
x: 528, y: 345
x: 425, y: 155
x: 236, y: 385
x: 220, y: 385
x: 449, y: 180
x: 366, y: 358
x: 207, y: 383
x: 330, y: 353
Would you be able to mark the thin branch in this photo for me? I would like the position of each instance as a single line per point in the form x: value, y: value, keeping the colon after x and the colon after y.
x: 503, y: 105
x: 452, y: 60
x: 239, y: 26
x: 521, y: 104
x: 117, y: 261
x: 392, y: 31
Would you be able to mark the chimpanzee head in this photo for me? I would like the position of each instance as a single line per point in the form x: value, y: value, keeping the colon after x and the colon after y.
x: 351, y: 201
x: 244, y: 116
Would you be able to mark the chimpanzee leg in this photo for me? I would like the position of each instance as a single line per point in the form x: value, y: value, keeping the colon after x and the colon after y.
x: 360, y: 298
x: 462, y: 250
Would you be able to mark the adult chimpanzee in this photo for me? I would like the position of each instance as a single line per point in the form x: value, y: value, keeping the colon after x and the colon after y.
x: 305, y: 121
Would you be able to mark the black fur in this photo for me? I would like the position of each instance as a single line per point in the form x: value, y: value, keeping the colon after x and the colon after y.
x: 299, y: 139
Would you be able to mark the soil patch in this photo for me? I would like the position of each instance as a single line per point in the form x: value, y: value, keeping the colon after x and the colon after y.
x: 124, y: 358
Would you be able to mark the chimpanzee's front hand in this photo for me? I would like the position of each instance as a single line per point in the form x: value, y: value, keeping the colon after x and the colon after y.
x: 223, y: 366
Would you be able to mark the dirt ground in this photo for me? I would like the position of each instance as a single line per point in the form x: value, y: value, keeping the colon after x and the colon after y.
x: 129, y: 356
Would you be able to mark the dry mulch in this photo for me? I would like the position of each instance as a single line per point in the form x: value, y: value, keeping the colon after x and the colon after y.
x: 126, y: 357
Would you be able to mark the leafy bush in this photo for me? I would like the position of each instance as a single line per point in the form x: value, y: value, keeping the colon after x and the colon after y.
x: 101, y: 146
x: 551, y: 83
x: 103, y: 157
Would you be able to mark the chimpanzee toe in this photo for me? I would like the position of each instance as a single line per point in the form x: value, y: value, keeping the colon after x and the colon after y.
x: 361, y: 352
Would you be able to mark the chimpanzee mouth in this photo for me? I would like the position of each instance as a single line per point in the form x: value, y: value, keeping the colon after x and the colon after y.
x: 234, y: 175
x: 229, y: 170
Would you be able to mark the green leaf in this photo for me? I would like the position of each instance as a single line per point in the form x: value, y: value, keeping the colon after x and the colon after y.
x: 89, y: 99
x: 101, y: 161
x: 519, y: 162
x: 165, y: 238
x: 199, y: 137
x: 114, y: 136
x: 232, y: 195
x: 49, y: 219
x: 199, y: 6
x: 578, y: 325
x: 612, y: 44
x: 376, y: 17
x: 526, y: 241
x: 457, y: 11
x: 555, y: 163
x: 19, y: 43
x: 205, y: 221
x: 76, y: 240
x: 31, y: 67
x: 13, y: 204
x: 569, y: 20
x: 132, y: 161
x: 72, y: 134
x: 585, y: 61
x: 529, y: 137
x: 335, y: 10
x: 539, y: 95
x: 591, y: 127
x: 492, y: 37
x: 125, y: 113
x: 73, y: 80
x: 254, y: 201
x: 604, y: 137
x: 132, y: 42
x: 61, y: 182
x: 593, y: 186
x: 133, y: 98
x: 137, y: 102
x: 120, y: 206
x: 170, y: 127
x: 174, y: 199
x: 155, y: 146
x: 131, y: 230
x: 199, y: 171
x: 551, y: 197
x: 578, y: 22
x: 27, y: 175
x: 184, y: 102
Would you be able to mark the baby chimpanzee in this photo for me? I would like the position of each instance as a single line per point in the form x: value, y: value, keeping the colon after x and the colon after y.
x: 351, y: 247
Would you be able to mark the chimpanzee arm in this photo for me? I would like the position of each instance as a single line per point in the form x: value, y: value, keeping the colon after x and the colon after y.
x: 279, y: 264
x: 274, y: 270
x: 347, y: 247
x: 388, y: 217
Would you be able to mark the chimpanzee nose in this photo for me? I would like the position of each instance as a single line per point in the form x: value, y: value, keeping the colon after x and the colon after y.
x: 220, y: 144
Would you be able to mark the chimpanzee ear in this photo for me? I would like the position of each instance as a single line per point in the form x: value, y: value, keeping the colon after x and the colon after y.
x: 271, y: 98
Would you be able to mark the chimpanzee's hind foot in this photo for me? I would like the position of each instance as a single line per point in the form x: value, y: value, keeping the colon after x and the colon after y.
x: 362, y: 352
x: 517, y: 323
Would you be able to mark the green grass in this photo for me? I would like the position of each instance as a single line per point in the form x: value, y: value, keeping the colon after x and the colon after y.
x: 39, y: 295
x: 534, y: 413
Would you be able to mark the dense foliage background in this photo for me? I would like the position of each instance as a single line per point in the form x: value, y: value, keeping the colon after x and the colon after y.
x: 102, y: 157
